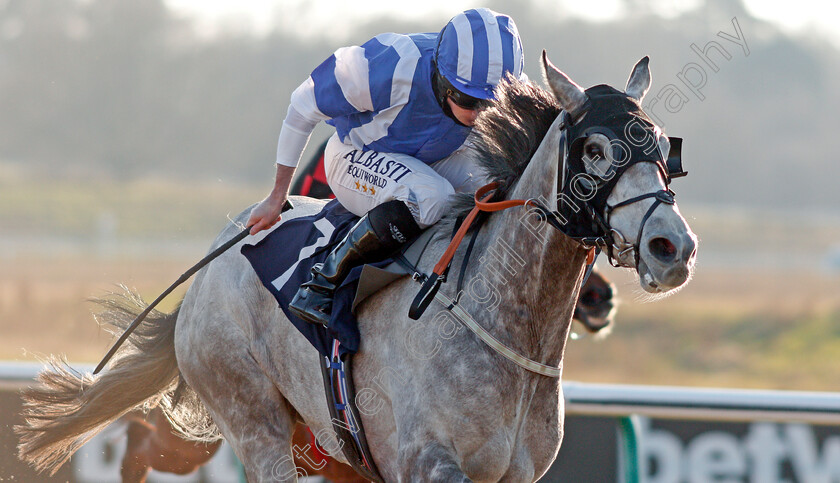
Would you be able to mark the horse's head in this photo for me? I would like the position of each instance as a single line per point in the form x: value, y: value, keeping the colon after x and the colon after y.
x: 613, y: 184
x: 596, y: 304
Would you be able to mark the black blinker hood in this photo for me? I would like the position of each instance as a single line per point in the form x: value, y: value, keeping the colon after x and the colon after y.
x: 634, y: 138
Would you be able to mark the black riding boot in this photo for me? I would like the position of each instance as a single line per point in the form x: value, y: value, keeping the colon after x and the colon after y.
x: 377, y: 235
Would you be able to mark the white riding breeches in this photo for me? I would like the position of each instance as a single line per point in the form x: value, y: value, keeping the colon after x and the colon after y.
x: 362, y: 180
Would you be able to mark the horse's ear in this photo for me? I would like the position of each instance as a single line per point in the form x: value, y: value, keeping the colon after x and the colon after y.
x: 639, y: 81
x: 570, y: 95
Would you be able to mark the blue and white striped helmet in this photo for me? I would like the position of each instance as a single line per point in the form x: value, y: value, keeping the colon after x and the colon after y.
x: 476, y: 49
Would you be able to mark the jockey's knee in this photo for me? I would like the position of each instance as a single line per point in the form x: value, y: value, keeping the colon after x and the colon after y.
x: 428, y: 203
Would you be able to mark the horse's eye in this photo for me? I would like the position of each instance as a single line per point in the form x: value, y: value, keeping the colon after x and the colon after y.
x: 593, y: 151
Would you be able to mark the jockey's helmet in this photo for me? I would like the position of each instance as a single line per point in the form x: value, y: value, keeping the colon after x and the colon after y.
x: 474, y: 52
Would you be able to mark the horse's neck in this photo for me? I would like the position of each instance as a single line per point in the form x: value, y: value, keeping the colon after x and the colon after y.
x: 535, y: 268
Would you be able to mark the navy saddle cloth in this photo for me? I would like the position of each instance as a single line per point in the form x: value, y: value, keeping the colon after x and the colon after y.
x: 283, y: 260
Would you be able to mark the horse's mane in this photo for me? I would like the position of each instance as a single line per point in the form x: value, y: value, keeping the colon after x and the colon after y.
x: 507, y: 135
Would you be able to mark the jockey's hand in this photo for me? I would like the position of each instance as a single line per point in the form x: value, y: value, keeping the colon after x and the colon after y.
x: 267, y: 212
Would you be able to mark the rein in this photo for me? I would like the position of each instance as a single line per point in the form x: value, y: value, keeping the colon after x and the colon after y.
x: 483, y: 203
x: 432, y: 283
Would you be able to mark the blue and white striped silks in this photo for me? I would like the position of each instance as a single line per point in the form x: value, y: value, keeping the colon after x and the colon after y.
x: 379, y: 95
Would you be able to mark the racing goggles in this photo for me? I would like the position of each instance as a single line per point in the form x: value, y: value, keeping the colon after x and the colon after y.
x: 464, y: 101
x: 445, y: 89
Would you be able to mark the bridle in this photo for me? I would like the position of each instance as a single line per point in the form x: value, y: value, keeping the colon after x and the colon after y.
x: 618, y: 247
x: 583, y: 212
x: 589, y: 225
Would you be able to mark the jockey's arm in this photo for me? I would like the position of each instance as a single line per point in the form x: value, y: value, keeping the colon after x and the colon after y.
x: 338, y: 87
x: 340, y: 91
x: 301, y: 119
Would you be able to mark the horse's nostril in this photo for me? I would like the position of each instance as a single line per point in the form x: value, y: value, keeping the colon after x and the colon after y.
x: 663, y: 249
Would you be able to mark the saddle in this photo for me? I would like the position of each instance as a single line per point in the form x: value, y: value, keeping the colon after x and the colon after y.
x: 283, y: 259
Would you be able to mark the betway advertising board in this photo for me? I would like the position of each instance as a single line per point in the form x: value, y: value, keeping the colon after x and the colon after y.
x: 670, y: 451
x: 674, y: 451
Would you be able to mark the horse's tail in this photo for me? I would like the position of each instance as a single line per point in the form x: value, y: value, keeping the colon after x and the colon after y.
x: 68, y: 408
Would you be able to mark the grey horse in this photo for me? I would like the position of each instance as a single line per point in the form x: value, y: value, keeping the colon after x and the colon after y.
x: 437, y: 403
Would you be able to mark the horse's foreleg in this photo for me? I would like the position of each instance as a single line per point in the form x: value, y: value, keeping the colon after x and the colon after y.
x: 430, y: 463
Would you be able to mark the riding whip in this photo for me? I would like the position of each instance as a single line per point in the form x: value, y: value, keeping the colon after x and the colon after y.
x: 183, y: 278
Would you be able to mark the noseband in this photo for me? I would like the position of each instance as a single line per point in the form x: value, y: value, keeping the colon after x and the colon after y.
x: 619, y: 247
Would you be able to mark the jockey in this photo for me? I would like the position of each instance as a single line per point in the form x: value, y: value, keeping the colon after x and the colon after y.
x: 402, y: 107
